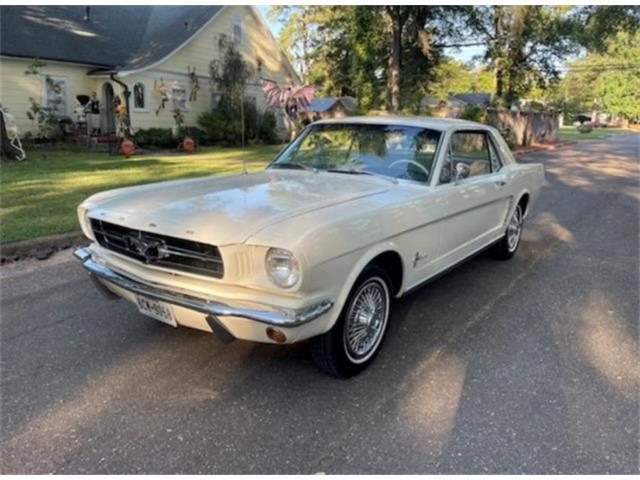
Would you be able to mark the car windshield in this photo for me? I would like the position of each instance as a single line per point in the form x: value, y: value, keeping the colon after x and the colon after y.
x: 391, y: 150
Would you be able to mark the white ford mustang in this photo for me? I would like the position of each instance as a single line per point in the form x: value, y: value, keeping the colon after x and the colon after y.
x: 352, y: 214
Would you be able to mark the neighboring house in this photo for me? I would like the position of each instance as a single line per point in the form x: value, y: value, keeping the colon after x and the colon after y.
x: 454, y: 104
x: 143, y: 49
x: 330, y: 107
x: 480, y: 99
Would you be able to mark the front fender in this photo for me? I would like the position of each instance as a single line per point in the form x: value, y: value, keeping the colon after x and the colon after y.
x: 349, y: 267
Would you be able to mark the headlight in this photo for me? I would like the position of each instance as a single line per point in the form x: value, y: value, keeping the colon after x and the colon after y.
x: 83, y: 219
x: 282, y: 267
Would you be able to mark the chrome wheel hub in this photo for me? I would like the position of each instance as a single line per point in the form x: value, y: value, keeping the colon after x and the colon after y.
x: 514, y: 230
x: 366, y: 320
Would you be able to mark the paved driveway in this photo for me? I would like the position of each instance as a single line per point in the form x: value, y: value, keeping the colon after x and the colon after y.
x: 527, y: 366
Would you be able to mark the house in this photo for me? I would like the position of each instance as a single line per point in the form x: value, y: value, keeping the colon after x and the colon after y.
x: 477, y: 99
x: 330, y: 107
x: 153, y: 58
x: 454, y: 103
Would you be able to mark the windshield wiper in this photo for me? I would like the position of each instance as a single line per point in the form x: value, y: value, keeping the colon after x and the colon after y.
x: 290, y: 165
x: 352, y: 171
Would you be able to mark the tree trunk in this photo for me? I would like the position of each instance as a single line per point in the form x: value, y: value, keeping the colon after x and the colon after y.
x: 395, y: 52
x: 499, y: 47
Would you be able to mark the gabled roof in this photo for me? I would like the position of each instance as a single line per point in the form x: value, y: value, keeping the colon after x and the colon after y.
x: 323, y: 104
x: 113, y: 37
x: 476, y: 99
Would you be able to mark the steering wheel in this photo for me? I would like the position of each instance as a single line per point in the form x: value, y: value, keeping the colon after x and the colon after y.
x: 412, y: 162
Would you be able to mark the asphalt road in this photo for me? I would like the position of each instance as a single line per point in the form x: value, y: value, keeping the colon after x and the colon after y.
x: 526, y: 366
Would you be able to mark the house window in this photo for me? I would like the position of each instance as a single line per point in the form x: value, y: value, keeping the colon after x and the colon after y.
x: 55, y: 95
x: 139, y: 97
x: 179, y: 97
x: 237, y: 31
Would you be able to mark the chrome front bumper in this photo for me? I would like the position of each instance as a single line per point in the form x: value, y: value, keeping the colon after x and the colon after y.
x: 270, y: 316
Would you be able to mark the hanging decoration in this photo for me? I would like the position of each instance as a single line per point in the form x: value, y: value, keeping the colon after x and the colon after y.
x: 195, y: 84
x: 291, y: 99
x: 163, y: 92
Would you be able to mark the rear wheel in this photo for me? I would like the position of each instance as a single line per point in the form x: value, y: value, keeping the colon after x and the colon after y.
x: 354, y: 341
x: 506, y: 248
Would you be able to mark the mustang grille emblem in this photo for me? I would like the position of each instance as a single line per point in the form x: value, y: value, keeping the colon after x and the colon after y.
x: 151, y: 249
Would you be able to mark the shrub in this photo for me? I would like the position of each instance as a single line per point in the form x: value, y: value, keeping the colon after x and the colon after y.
x: 155, y: 138
x: 475, y: 113
x: 267, y: 128
x: 585, y: 127
x: 197, y: 134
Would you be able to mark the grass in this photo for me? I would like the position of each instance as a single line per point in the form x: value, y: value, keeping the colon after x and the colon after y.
x: 39, y: 196
x: 572, y: 133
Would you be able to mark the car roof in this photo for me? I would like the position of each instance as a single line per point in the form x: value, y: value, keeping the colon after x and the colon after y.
x: 434, y: 123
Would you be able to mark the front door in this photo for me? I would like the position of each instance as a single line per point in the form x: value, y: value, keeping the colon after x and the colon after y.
x: 475, y: 205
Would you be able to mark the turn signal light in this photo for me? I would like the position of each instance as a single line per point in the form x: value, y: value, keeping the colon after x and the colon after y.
x: 276, y: 335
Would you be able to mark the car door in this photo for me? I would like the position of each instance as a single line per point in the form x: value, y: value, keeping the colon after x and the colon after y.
x: 475, y: 205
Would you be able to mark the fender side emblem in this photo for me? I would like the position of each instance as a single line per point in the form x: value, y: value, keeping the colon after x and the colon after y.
x: 418, y: 258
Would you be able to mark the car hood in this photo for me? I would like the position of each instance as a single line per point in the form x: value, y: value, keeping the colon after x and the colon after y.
x: 228, y: 209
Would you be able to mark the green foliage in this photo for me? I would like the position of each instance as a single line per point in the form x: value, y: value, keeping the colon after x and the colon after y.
x: 199, y: 135
x: 47, y: 126
x: 585, y: 127
x: 345, y: 50
x: 526, y: 44
x: 475, y: 113
x: 220, y: 130
x: 155, y: 138
x: 267, y: 128
x: 224, y: 125
x: 594, y: 25
x: 453, y: 76
x: 607, y: 81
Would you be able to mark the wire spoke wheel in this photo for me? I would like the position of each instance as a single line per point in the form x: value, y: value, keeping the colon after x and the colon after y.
x: 514, y: 230
x: 366, y: 320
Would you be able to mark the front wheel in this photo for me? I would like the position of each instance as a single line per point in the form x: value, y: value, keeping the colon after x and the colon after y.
x: 354, y: 341
x: 506, y: 248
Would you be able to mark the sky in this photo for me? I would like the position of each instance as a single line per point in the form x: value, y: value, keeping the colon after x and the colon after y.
x: 464, y: 54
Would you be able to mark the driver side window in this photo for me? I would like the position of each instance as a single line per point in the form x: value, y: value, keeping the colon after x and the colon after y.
x: 471, y: 149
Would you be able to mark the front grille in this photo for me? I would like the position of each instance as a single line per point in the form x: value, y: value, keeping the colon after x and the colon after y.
x: 160, y: 250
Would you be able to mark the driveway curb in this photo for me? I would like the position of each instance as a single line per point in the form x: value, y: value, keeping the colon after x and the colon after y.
x: 39, y: 248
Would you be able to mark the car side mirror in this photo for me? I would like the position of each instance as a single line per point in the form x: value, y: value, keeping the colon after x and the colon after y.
x: 462, y: 171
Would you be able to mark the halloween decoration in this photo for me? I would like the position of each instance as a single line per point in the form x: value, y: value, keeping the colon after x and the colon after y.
x: 93, y: 114
x: 188, y: 145
x: 290, y: 98
x: 178, y: 117
x: 161, y: 89
x: 121, y: 115
x: 195, y: 85
x: 127, y: 148
x: 11, y: 148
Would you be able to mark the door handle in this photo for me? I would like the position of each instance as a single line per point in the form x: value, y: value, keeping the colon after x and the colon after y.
x: 500, y: 183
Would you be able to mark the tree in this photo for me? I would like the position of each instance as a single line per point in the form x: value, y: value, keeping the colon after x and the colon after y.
x: 526, y: 44
x: 453, y: 76
x: 607, y: 81
x: 230, y: 77
x: 380, y: 54
x: 594, y: 25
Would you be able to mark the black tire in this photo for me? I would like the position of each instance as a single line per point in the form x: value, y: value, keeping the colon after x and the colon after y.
x: 506, y: 247
x: 331, y: 351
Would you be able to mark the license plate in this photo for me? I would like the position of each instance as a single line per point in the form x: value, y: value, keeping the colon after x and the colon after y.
x: 156, y: 310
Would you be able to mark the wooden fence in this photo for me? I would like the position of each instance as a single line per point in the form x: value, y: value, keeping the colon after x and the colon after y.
x: 525, y: 127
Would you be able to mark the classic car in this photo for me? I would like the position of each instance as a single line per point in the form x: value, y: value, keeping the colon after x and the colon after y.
x: 352, y: 214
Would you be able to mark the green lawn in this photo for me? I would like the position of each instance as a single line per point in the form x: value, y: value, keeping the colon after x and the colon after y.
x: 572, y: 133
x: 39, y: 196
